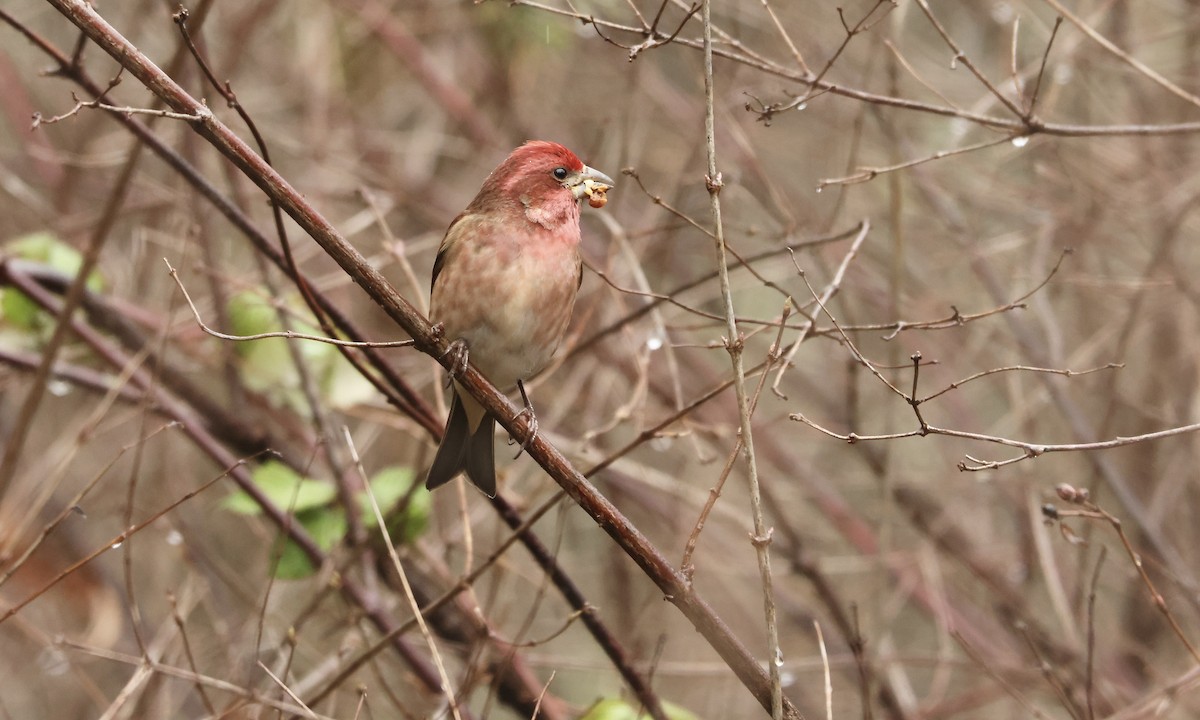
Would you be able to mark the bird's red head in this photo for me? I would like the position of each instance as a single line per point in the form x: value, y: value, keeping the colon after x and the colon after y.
x: 529, y: 172
x: 540, y: 157
x: 544, y: 180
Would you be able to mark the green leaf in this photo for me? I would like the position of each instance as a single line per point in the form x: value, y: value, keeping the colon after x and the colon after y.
x: 280, y: 483
x: 621, y: 710
x: 268, y: 365
x: 327, y: 526
x: 250, y: 313
x: 389, y: 486
x: 342, y: 385
x: 310, y: 501
x: 47, y: 249
x: 18, y: 309
x: 293, y: 563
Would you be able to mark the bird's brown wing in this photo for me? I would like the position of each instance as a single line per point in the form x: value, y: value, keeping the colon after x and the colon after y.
x: 443, y: 250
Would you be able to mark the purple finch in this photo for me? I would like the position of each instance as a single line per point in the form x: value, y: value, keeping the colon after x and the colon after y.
x: 504, y: 285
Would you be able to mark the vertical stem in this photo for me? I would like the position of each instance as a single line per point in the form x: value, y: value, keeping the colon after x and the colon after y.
x: 734, y: 344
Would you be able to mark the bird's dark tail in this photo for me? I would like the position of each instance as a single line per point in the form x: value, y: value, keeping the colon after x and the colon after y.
x: 462, y: 450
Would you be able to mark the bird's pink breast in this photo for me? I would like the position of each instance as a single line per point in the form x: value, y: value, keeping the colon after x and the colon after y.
x: 508, y: 289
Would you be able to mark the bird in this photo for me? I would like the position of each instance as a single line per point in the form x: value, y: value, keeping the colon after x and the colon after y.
x: 504, y: 285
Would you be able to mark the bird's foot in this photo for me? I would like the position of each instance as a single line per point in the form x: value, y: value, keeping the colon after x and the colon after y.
x: 530, y: 419
x: 458, y: 352
x: 532, y: 422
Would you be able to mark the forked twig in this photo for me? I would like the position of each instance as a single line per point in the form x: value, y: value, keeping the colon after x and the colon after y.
x: 1082, y: 498
x: 828, y: 293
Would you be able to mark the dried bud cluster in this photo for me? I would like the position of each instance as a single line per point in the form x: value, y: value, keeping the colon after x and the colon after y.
x: 1072, y: 494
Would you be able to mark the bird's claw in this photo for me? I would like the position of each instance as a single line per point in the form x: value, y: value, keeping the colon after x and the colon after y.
x: 458, y: 352
x: 532, y: 422
x: 531, y: 419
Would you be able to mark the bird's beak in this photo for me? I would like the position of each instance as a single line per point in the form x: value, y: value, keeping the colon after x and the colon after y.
x: 590, y: 183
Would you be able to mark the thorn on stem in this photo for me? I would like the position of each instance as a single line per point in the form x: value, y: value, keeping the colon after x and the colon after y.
x: 760, y: 541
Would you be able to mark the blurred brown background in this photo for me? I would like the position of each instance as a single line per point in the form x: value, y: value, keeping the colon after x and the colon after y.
x: 388, y: 115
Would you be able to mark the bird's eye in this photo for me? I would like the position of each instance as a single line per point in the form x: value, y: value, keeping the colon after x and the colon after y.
x: 560, y: 173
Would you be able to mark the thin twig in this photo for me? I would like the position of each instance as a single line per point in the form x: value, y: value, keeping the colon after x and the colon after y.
x: 1031, y: 449
x: 74, y: 505
x: 225, y: 686
x: 739, y: 54
x: 1089, y: 678
x: 960, y: 55
x: 1037, y: 85
x: 786, y: 38
x: 116, y: 541
x: 1004, y: 683
x: 767, y: 112
x: 541, y: 696
x: 867, y: 174
x: 381, y: 523
x: 308, y: 711
x: 1122, y: 55
x: 847, y: 341
x: 317, y: 411
x: 825, y: 668
x: 187, y: 651
x: 734, y: 344
x: 904, y: 63
x: 1080, y: 497
x: 38, y: 120
x: 20, y: 428
x: 1018, y: 368
x: 826, y: 294
x: 1012, y: 57
x: 287, y: 334
x: 689, y: 548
